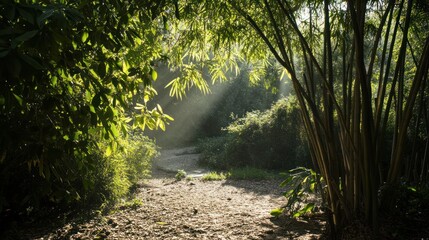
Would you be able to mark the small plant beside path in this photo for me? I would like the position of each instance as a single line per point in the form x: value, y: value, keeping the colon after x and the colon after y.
x: 246, y: 173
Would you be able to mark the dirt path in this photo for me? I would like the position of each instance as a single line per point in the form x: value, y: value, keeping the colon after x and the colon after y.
x: 185, y: 159
x: 164, y: 208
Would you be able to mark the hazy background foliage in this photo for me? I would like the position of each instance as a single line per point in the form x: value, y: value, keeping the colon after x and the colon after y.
x: 198, y: 115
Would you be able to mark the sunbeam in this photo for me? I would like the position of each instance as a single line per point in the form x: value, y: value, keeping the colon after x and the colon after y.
x: 188, y: 113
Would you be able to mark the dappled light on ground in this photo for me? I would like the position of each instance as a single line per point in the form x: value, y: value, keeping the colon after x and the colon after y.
x: 166, y: 208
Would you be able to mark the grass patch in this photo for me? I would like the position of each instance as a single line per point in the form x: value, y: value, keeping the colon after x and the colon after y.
x: 215, y: 176
x: 247, y: 173
x: 252, y: 173
x: 131, y: 204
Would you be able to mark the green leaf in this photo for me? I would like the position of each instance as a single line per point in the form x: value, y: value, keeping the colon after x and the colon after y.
x: 92, y: 109
x: 54, y: 80
x: 4, y: 53
x: 108, y: 151
x: 2, y: 100
x: 276, y: 212
x: 154, y: 75
x: 169, y: 118
x: 96, y: 100
x: 114, y: 131
x: 45, y: 15
x: 312, y: 186
x: 18, y: 98
x: 159, y: 108
x: 124, y: 129
x: 85, y: 36
x: 161, y: 125
x: 286, y: 181
x: 125, y: 66
x: 10, y: 12
x: 26, y: 15
x: 32, y: 62
x: 307, y: 208
x: 114, y: 111
x: 26, y: 36
x: 289, y: 193
x: 74, y: 14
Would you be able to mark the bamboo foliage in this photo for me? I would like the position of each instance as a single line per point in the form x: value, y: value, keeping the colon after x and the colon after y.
x: 346, y: 128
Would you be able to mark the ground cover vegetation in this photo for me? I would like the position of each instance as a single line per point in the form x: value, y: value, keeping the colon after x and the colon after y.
x: 245, y: 173
x: 76, y: 74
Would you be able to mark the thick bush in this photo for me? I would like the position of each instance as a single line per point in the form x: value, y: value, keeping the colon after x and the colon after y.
x: 66, y: 83
x: 213, y: 151
x: 100, y: 176
x: 273, y: 139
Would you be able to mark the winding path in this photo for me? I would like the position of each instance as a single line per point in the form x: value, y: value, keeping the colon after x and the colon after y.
x: 164, y: 208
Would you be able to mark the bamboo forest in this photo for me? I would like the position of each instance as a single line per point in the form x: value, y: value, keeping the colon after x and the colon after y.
x: 214, y: 119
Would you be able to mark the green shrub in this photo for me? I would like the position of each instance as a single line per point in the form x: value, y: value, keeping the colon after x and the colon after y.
x: 58, y: 94
x: 299, y: 183
x: 181, y: 174
x: 273, y: 139
x: 96, y: 177
x: 213, y: 151
x: 126, y: 166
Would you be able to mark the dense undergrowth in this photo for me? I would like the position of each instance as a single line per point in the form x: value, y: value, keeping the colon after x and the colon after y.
x: 109, y: 178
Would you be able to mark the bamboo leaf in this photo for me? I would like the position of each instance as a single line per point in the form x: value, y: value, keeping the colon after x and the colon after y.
x: 32, y: 62
x: 85, y: 36
x: 114, y: 131
x: 45, y: 15
x: 307, y: 208
x: 108, y: 151
x: 286, y: 181
x: 18, y: 98
x: 276, y: 212
x: 4, y: 52
x: 26, y: 36
x: 154, y: 75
